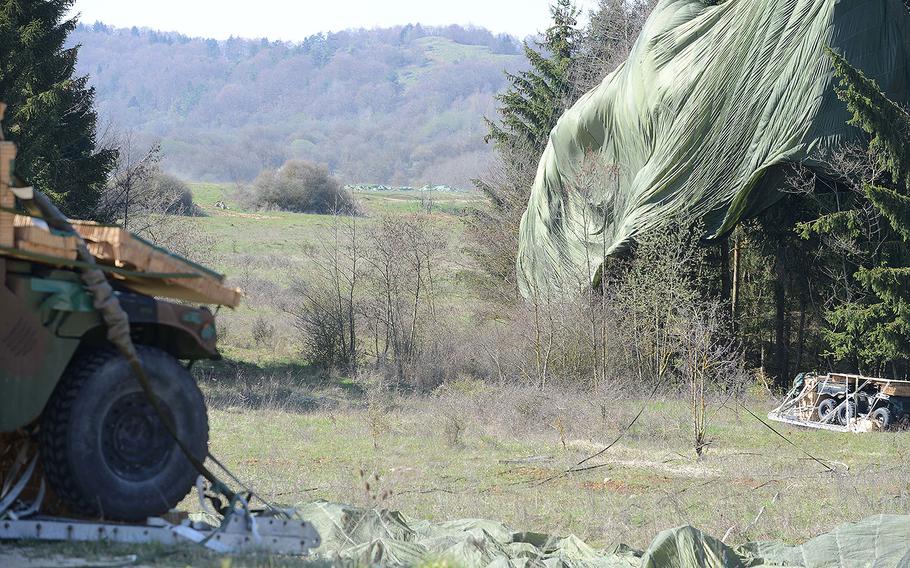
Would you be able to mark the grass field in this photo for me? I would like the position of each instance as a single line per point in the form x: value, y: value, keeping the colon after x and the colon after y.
x: 491, y: 453
x: 499, y: 452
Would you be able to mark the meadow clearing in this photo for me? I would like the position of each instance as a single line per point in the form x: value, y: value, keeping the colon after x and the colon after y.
x: 471, y: 449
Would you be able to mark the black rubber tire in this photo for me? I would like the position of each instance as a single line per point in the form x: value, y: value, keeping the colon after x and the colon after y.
x: 105, y: 451
x: 825, y: 407
x: 843, y: 410
x: 881, y: 417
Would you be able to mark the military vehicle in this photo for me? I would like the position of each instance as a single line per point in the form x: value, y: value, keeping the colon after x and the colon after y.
x: 105, y: 449
x: 845, y: 403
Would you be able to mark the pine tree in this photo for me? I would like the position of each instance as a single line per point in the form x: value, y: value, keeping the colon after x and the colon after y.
x: 875, y: 329
x: 50, y: 114
x: 530, y: 108
x: 537, y: 97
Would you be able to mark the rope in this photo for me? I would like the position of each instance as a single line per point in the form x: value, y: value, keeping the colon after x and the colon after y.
x: 577, y: 467
x: 786, y: 439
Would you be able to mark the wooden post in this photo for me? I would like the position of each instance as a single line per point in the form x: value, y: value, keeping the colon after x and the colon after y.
x: 7, y: 199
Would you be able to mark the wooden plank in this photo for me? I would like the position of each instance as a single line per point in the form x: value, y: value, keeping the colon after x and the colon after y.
x: 33, y: 235
x: 128, y: 252
x: 7, y: 199
x: 60, y: 253
x: 204, y: 285
x: 43, y: 237
x: 177, y: 289
x: 7, y: 157
x: 896, y: 389
x: 116, y: 247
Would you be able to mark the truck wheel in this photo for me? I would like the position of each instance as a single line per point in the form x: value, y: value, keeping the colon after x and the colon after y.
x: 881, y: 417
x: 825, y: 409
x: 105, y: 450
x: 846, y: 410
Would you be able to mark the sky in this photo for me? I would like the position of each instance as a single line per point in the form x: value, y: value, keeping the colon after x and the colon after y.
x: 294, y: 20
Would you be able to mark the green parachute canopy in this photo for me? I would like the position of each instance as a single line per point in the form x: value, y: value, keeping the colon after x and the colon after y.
x: 701, y: 123
x: 353, y: 536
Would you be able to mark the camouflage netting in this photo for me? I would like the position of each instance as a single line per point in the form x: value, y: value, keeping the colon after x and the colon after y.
x: 699, y: 123
x: 387, y: 538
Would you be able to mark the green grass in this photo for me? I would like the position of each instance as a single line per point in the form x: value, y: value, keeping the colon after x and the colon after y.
x: 470, y: 450
x: 310, y: 442
x: 262, y: 252
x: 207, y: 194
x: 655, y: 482
x: 298, y: 436
x: 303, y: 440
x: 438, y: 50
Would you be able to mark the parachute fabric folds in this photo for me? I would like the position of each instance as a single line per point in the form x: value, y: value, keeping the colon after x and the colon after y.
x: 699, y: 123
x: 387, y: 538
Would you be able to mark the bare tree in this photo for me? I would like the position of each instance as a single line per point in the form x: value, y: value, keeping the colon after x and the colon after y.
x: 708, y: 359
x: 126, y: 190
x: 614, y: 28
x: 324, y: 307
x: 402, y: 256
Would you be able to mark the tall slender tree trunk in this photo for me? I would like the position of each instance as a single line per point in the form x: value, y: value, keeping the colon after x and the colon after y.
x: 801, y: 334
x: 726, y: 282
x: 781, y: 354
x: 735, y: 285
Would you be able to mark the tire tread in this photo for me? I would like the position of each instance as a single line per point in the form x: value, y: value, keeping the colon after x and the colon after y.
x: 57, y: 417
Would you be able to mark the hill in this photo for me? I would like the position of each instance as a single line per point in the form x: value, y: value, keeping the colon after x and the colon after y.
x: 398, y: 106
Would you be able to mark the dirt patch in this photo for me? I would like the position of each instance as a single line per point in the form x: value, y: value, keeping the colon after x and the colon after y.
x: 611, y: 486
x: 223, y: 213
x: 531, y: 473
x: 670, y: 464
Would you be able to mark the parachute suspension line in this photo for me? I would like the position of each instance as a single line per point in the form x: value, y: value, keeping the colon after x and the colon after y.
x: 578, y: 466
x: 788, y: 440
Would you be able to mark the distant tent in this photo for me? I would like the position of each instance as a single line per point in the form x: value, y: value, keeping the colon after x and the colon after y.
x: 700, y: 122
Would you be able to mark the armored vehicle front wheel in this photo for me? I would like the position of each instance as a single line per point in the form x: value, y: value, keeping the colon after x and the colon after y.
x: 106, y: 451
x: 881, y: 417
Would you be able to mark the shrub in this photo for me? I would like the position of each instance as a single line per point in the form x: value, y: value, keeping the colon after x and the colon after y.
x: 263, y: 330
x: 168, y: 194
x: 301, y: 187
x: 324, y: 320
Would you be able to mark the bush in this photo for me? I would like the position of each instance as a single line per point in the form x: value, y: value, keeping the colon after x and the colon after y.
x: 301, y: 187
x: 171, y: 193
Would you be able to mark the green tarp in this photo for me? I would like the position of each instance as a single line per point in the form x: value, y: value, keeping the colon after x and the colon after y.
x: 700, y: 122
x: 368, y: 537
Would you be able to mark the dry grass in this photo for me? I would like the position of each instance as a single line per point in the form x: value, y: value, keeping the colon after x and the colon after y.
x: 476, y: 450
x: 470, y: 449
x: 511, y: 441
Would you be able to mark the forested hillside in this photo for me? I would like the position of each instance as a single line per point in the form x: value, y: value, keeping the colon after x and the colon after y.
x: 400, y: 106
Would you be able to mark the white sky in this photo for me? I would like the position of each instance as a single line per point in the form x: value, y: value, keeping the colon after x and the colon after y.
x: 295, y: 20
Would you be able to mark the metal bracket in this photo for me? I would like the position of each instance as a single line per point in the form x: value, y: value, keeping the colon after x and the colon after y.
x: 271, y: 535
x: 240, y: 531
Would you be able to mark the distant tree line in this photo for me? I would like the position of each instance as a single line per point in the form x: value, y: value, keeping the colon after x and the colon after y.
x: 396, y: 106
